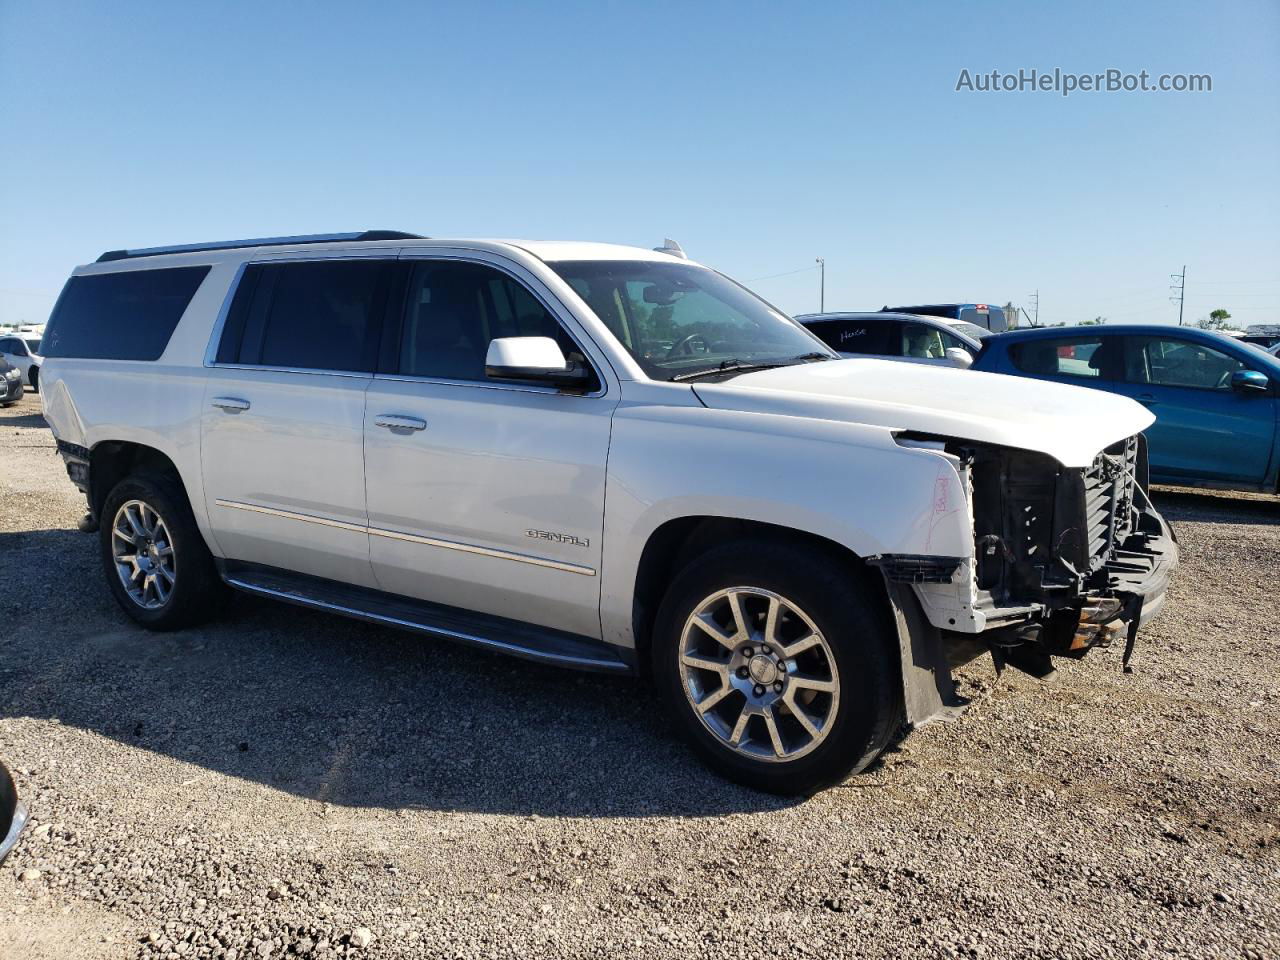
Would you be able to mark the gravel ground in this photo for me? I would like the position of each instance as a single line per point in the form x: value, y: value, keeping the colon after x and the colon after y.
x: 283, y: 782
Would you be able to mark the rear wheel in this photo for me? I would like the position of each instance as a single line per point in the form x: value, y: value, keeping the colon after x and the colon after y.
x: 157, y: 564
x: 778, y: 664
x: 34, y: 376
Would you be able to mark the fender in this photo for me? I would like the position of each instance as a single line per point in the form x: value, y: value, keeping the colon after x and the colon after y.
x: 160, y: 410
x: 848, y: 483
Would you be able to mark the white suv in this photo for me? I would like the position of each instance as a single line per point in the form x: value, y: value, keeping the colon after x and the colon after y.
x: 603, y: 457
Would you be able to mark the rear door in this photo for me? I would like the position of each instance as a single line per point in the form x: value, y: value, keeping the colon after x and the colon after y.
x: 1085, y: 360
x: 283, y: 423
x: 483, y: 494
x: 1204, y: 429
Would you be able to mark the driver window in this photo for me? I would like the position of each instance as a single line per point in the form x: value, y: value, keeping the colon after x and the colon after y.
x: 923, y: 342
x: 1178, y: 363
x: 453, y: 310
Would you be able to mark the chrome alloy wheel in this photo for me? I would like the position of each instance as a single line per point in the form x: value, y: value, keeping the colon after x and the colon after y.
x: 143, y: 554
x: 759, y: 674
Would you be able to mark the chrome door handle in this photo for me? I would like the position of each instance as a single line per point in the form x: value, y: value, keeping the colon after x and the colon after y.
x: 393, y: 421
x: 230, y: 404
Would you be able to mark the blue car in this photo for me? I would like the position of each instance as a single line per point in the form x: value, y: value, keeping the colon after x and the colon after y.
x: 1216, y: 401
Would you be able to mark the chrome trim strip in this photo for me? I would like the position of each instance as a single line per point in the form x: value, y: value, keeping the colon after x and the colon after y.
x: 15, y: 828
x: 483, y: 551
x: 487, y: 642
x: 290, y: 515
x: 413, y: 538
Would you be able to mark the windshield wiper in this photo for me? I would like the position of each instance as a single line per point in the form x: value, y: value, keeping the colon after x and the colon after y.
x: 734, y: 365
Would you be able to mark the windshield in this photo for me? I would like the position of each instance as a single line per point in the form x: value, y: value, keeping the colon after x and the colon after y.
x: 33, y: 346
x: 678, y: 320
x: 971, y: 330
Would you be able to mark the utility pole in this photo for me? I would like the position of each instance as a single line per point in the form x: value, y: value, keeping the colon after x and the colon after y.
x: 1179, y: 289
x: 822, y: 283
x: 1035, y: 304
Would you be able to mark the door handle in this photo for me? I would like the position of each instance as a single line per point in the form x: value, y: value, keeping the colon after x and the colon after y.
x: 230, y: 404
x: 393, y: 421
x: 1147, y: 400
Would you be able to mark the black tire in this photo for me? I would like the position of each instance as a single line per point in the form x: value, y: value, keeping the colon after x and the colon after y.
x: 197, y: 587
x: 839, y: 599
x: 33, y: 375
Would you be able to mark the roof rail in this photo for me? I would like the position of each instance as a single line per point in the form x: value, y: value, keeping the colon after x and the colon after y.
x: 362, y: 236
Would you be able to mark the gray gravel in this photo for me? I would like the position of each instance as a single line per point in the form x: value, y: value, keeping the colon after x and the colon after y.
x: 288, y: 783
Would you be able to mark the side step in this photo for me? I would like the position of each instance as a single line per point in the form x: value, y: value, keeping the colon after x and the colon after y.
x: 477, y: 629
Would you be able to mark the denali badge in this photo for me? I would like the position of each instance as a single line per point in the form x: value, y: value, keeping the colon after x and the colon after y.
x: 558, y: 537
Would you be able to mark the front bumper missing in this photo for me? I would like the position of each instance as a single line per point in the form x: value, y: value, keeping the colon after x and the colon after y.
x: 1135, y: 590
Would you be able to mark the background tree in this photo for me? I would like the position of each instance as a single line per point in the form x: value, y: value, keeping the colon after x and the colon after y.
x: 1216, y: 320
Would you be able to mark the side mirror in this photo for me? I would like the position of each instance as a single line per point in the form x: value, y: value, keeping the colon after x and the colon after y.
x: 1250, y: 381
x: 532, y: 358
x: 959, y: 357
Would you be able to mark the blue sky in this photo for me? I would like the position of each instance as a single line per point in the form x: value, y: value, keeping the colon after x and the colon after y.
x: 759, y: 135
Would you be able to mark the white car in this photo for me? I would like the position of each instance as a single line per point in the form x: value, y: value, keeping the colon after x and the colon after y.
x: 597, y: 456
x: 911, y: 338
x: 23, y: 351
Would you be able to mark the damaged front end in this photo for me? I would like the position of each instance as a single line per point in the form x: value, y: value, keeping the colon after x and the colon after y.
x: 1064, y: 560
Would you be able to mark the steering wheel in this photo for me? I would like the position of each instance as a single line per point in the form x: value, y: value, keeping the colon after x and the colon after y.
x: 683, y: 345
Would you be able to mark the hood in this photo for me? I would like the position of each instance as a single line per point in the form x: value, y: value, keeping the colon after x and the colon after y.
x: 1070, y: 424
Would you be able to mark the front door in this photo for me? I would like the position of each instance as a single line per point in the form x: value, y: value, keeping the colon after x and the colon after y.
x: 283, y: 423
x: 1204, y: 429
x: 485, y: 495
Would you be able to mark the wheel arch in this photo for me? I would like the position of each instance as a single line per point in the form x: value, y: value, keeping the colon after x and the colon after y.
x: 675, y: 543
x: 110, y: 461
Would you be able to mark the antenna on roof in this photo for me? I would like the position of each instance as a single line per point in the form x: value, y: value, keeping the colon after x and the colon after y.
x: 673, y: 248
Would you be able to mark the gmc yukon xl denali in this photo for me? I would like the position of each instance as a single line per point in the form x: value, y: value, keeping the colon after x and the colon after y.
x: 597, y: 456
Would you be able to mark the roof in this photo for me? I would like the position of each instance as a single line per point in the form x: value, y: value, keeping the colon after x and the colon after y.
x: 554, y: 250
x: 549, y: 251
x: 1207, y: 337
x: 1133, y: 329
x: 882, y: 315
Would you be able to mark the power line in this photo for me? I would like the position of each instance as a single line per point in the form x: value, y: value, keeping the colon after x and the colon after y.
x: 789, y: 273
x: 1181, y: 287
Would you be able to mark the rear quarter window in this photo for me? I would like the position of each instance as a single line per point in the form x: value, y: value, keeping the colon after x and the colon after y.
x: 857, y: 336
x: 120, y: 316
x: 1074, y: 357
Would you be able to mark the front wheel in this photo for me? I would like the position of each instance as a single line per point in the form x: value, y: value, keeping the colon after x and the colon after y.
x: 778, y: 665
x: 34, y: 376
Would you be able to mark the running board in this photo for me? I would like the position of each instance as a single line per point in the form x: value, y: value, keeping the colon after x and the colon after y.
x: 488, y: 632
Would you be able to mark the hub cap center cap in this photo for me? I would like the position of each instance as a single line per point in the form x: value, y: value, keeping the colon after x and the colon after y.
x: 763, y: 670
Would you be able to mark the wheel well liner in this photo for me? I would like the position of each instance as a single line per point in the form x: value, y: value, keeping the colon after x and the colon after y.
x: 677, y: 542
x: 112, y: 460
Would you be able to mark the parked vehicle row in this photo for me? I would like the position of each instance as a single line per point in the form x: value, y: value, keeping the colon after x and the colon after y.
x: 602, y: 457
x: 1216, y: 398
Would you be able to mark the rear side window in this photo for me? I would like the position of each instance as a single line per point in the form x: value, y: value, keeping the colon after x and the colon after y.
x: 858, y: 336
x: 316, y: 315
x: 120, y: 316
x: 1074, y: 357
